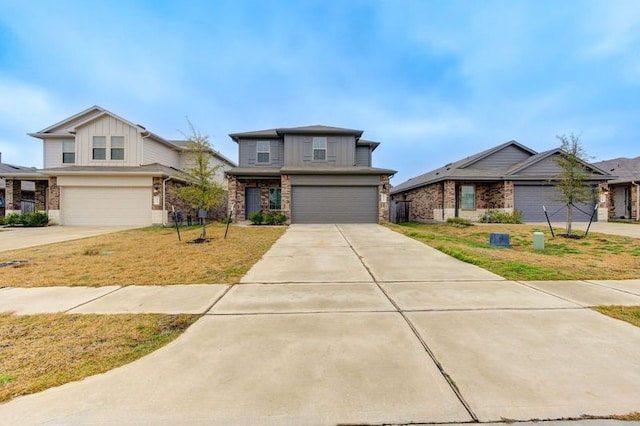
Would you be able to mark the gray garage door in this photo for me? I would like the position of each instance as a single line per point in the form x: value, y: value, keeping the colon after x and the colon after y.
x: 530, y: 199
x: 334, y: 204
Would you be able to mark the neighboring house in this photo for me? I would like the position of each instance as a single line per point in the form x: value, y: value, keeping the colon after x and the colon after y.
x: 507, y: 177
x: 101, y: 169
x: 312, y: 174
x: 24, y: 190
x: 625, y: 189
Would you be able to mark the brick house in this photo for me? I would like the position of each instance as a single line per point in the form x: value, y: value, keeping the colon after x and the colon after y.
x: 312, y: 174
x: 101, y: 169
x: 624, y: 190
x: 507, y: 177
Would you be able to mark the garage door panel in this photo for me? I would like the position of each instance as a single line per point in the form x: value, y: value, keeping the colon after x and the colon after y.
x: 95, y: 206
x: 529, y: 199
x: 334, y: 204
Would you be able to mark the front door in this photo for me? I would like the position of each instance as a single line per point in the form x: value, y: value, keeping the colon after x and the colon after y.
x: 252, y: 201
x: 621, y: 203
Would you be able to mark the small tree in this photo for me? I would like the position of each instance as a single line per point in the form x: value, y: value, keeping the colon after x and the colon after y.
x: 202, y: 191
x: 570, y: 183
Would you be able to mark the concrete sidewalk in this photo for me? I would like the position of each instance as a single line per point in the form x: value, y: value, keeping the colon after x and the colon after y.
x: 18, y: 237
x: 358, y: 324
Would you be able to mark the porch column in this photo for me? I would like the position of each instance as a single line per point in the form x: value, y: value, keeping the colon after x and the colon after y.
x: 41, y: 196
x: 383, y: 200
x: 603, y: 201
x: 13, y: 196
x: 509, y: 202
x: 54, y: 201
x: 285, y: 199
x: 449, y: 199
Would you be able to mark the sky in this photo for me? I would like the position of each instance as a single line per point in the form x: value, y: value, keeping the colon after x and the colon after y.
x: 433, y: 81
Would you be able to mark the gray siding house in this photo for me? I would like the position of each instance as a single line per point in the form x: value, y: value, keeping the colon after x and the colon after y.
x: 624, y: 190
x: 507, y: 177
x: 312, y: 174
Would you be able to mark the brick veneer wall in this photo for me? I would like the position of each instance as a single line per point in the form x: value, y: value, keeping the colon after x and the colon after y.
x: 383, y: 199
x: 237, y: 190
x: 54, y: 194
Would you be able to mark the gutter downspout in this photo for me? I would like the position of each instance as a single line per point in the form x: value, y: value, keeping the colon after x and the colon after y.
x: 637, y: 199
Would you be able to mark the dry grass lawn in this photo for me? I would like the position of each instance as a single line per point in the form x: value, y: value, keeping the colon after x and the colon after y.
x: 598, y: 256
x: 41, y: 351
x: 151, y: 256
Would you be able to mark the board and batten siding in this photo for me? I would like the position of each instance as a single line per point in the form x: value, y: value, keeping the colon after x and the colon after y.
x: 248, y: 153
x: 108, y: 126
x: 299, y: 151
x: 155, y: 152
x: 506, y: 157
x: 363, y: 156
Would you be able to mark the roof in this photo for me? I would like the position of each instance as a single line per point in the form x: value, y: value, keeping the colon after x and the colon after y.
x: 316, y: 129
x: 464, y: 169
x: 626, y: 169
x: 68, y: 126
x: 154, y: 169
x: 11, y: 171
x: 271, y: 171
x: 184, y: 145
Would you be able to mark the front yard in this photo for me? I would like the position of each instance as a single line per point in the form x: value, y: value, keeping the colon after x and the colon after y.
x: 596, y: 257
x: 148, y: 256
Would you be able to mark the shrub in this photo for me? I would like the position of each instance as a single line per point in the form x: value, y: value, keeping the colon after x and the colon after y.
x: 459, y: 222
x: 497, y: 216
x: 270, y: 218
x: 281, y: 218
x: 13, y: 219
x: 35, y: 219
x: 256, y: 218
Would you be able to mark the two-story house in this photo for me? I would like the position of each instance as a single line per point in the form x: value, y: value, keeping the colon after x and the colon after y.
x: 101, y: 169
x: 312, y: 174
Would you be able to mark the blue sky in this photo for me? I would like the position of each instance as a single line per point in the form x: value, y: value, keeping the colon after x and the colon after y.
x: 434, y: 81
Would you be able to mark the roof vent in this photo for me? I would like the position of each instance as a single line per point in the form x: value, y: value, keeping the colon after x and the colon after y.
x: 448, y: 164
x: 141, y: 126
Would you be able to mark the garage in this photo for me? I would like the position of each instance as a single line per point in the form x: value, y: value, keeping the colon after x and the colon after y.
x: 529, y: 199
x: 334, y: 204
x: 105, y: 200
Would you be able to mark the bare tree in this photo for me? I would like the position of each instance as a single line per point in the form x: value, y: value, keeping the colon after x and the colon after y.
x: 571, y: 182
x: 202, y: 192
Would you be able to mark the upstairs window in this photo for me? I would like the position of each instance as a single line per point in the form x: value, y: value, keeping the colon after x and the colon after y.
x: 68, y: 152
x: 275, y: 197
x: 117, y: 147
x: 99, y: 149
x: 319, y: 149
x: 263, y: 151
x: 468, y: 201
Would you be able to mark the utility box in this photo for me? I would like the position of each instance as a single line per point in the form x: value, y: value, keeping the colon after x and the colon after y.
x: 538, y: 241
x: 499, y: 240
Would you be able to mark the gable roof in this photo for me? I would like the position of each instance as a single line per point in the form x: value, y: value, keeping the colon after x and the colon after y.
x: 627, y: 170
x: 183, y: 145
x: 464, y: 170
x: 316, y: 129
x: 12, y: 171
x: 68, y: 126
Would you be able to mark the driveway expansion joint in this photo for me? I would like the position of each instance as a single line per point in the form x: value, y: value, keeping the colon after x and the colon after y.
x: 429, y: 352
x: 92, y: 300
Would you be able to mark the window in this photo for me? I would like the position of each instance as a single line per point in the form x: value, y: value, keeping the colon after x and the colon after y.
x: 117, y: 147
x: 468, y: 201
x: 68, y: 152
x: 275, y: 198
x: 99, y: 148
x: 319, y: 149
x: 263, y: 152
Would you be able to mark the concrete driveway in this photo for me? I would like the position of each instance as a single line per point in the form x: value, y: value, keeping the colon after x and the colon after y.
x: 18, y: 237
x: 356, y: 324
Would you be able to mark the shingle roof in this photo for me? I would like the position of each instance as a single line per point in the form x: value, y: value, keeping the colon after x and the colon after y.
x: 148, y: 169
x: 316, y: 129
x: 626, y: 169
x: 464, y: 170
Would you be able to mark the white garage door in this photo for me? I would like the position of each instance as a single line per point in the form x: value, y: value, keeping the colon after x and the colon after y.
x: 334, y: 204
x: 96, y: 206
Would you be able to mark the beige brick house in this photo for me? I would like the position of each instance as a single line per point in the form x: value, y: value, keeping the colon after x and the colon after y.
x: 507, y: 177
